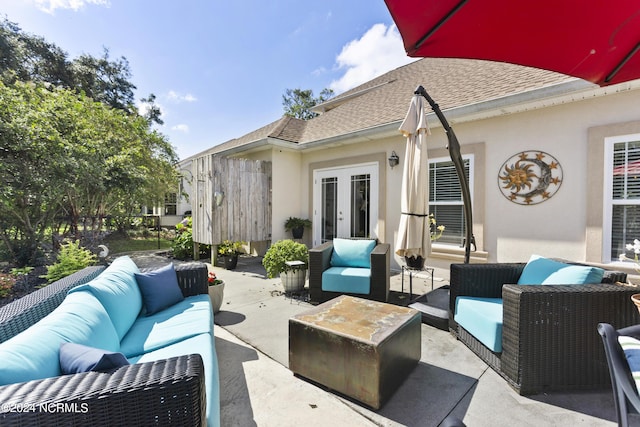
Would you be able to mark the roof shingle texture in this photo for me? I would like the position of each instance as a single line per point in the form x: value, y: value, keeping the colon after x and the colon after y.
x: 450, y: 82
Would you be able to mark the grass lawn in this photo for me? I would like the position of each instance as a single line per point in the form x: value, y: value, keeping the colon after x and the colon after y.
x: 119, y: 244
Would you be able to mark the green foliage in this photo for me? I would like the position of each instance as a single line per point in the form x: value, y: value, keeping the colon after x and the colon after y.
x: 229, y: 247
x: 182, y: 246
x: 6, y: 284
x: 72, y: 144
x: 71, y: 258
x: 281, y: 252
x: 294, y: 222
x: 298, y: 103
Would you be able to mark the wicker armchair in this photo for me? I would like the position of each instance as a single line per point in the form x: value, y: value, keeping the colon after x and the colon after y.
x: 549, y: 338
x: 168, y: 391
x: 320, y: 260
x: 625, y: 395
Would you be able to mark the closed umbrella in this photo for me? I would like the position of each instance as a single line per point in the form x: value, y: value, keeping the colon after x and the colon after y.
x: 414, y: 239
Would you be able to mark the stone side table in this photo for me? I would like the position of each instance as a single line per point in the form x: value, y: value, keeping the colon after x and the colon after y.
x: 360, y: 348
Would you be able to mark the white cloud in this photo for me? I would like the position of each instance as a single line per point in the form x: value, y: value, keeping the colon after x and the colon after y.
x: 177, y: 97
x: 379, y: 50
x: 181, y: 128
x: 49, y: 6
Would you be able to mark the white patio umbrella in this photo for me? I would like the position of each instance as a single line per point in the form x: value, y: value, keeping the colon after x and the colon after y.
x: 414, y: 239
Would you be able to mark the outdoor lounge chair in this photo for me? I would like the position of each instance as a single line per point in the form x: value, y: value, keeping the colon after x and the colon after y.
x: 625, y: 394
x: 548, y: 340
x: 359, y: 267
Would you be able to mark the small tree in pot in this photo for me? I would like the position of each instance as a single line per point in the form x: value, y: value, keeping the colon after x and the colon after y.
x: 297, y: 226
x: 275, y: 262
x: 230, y: 251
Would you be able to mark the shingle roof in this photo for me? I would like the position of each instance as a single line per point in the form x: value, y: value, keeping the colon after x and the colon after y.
x: 385, y: 99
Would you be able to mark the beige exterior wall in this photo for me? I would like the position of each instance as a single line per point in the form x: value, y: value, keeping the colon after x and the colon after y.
x: 568, y: 225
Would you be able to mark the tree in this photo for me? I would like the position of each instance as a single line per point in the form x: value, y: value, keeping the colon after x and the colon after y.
x: 298, y: 103
x: 64, y: 155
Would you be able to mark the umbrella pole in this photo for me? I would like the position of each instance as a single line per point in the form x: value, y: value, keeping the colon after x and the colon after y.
x: 456, y: 158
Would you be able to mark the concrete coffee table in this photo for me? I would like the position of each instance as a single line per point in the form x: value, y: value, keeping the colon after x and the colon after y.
x: 363, y: 349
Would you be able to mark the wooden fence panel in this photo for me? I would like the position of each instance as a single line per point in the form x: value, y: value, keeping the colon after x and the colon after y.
x: 244, y: 189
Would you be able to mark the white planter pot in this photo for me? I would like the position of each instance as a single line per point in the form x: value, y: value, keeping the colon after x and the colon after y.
x: 216, y: 293
x: 293, y: 281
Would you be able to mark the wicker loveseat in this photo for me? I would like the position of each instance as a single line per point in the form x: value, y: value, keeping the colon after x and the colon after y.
x: 342, y: 278
x: 549, y: 333
x: 171, y: 379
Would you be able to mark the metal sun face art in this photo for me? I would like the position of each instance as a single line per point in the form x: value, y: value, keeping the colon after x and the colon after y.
x: 530, y: 177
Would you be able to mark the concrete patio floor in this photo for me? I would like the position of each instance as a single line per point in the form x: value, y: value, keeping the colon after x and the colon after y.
x: 257, y: 389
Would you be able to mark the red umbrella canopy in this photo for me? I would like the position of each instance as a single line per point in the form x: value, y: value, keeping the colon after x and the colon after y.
x: 598, y: 40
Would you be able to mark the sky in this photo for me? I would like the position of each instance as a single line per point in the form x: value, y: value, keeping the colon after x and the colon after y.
x: 219, y: 68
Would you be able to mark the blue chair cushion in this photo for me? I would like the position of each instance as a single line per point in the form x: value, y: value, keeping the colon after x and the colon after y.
x: 631, y: 348
x: 118, y: 291
x: 544, y: 271
x: 35, y: 353
x: 159, y: 289
x: 347, y: 280
x: 482, y: 318
x: 203, y: 345
x: 189, y: 317
x: 76, y: 358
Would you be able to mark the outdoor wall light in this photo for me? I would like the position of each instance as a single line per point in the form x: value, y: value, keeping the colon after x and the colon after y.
x: 393, y: 159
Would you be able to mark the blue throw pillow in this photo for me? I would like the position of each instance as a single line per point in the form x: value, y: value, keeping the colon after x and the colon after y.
x: 544, y: 271
x: 352, y: 253
x: 631, y: 348
x: 76, y: 358
x: 159, y: 289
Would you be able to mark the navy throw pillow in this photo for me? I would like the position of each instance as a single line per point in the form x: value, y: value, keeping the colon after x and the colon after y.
x: 76, y: 358
x: 159, y: 289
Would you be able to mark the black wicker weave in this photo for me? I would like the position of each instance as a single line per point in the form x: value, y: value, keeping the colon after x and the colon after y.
x: 549, y: 337
x: 165, y: 392
x: 320, y: 260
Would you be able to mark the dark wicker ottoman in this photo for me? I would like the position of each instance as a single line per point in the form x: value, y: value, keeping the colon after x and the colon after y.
x: 363, y: 349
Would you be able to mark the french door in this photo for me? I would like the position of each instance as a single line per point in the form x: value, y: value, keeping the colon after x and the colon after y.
x: 345, y: 202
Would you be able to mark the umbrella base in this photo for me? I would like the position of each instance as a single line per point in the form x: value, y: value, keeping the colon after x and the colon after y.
x: 434, y: 307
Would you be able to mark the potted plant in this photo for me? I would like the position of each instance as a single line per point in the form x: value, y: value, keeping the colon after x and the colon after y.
x: 216, y: 291
x: 275, y: 262
x: 297, y: 226
x: 435, y: 232
x: 230, y: 250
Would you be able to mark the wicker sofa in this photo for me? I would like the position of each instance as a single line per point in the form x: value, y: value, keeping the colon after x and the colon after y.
x: 171, y: 379
x: 321, y: 259
x: 549, y: 333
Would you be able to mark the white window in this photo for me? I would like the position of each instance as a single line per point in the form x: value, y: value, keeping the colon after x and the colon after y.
x: 170, y: 203
x: 622, y: 194
x: 445, y: 197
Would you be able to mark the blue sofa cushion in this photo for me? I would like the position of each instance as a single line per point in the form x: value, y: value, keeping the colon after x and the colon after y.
x: 631, y: 348
x: 544, y: 271
x: 352, y: 252
x: 189, y: 317
x: 159, y: 289
x: 35, y: 353
x: 347, y: 280
x: 118, y: 291
x: 482, y: 318
x: 76, y: 358
x: 202, y: 344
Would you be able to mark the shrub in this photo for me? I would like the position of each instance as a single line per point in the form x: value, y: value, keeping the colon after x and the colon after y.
x: 281, y: 252
x: 6, y: 284
x: 182, y: 245
x: 71, y: 258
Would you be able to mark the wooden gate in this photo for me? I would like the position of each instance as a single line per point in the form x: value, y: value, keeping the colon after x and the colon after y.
x: 231, y: 200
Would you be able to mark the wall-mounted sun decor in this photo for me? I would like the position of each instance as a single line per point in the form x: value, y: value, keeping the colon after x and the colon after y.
x: 530, y: 177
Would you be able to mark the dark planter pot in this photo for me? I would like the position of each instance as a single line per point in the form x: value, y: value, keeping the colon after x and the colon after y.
x: 230, y: 262
x: 297, y: 232
x: 415, y: 262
